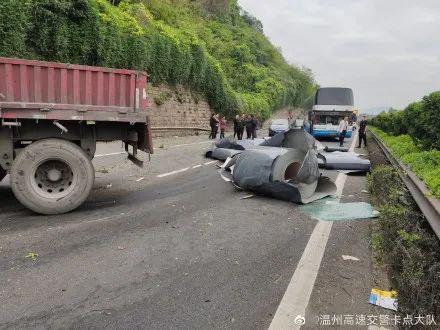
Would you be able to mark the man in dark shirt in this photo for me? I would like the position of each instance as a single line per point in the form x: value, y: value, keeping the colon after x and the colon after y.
x: 363, y: 131
x: 248, y: 125
x: 241, y: 126
x: 237, y: 127
x: 254, y: 125
x: 213, y: 123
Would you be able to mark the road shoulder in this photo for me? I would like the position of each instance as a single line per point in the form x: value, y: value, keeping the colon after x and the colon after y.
x: 342, y: 287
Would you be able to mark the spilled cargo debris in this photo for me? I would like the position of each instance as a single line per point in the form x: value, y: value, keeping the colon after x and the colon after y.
x: 285, y: 166
x: 329, y: 158
x: 385, y: 299
x: 343, y: 161
x: 346, y: 257
x: 333, y: 210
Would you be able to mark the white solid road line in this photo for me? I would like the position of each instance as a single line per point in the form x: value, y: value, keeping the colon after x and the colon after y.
x: 211, y: 162
x: 291, y: 311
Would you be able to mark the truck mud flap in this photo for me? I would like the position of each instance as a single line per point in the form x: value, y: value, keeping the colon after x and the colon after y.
x: 145, y: 142
x: 136, y: 160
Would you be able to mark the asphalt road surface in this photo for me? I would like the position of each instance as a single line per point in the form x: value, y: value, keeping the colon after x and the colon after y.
x: 172, y: 246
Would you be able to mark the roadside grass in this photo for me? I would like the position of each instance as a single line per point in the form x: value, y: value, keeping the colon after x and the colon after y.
x: 403, y: 241
x: 425, y: 164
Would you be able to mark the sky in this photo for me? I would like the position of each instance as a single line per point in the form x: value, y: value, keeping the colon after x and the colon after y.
x: 387, y: 51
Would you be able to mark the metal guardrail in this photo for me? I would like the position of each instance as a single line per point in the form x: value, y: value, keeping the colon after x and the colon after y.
x: 429, y: 205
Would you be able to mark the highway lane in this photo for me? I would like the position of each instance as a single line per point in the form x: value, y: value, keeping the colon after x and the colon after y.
x: 180, y: 251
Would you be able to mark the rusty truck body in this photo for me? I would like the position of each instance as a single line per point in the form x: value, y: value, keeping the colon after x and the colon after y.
x: 53, y: 114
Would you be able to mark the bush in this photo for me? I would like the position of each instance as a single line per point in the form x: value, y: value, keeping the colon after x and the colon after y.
x: 425, y: 164
x: 426, y: 123
x: 403, y: 240
x: 419, y: 120
x: 162, y: 97
x: 14, y: 22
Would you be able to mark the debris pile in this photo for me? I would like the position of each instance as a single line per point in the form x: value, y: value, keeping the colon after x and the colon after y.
x: 285, y: 166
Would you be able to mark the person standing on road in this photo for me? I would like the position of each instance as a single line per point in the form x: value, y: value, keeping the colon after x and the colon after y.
x: 213, y: 123
x: 222, y: 123
x: 342, y: 130
x: 237, y: 127
x: 254, y: 125
x: 241, y: 127
x: 248, y: 123
x: 363, y: 131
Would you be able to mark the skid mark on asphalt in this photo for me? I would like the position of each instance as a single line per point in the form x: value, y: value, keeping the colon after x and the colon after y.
x: 292, y: 308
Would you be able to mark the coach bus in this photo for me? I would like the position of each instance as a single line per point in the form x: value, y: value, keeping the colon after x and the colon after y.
x: 326, y: 108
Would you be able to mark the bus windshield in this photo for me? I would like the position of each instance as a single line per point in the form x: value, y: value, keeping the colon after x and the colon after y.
x: 334, y: 96
x: 326, y: 119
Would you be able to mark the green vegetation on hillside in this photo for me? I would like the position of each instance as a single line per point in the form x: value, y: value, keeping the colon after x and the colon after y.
x: 211, y: 46
x: 425, y: 164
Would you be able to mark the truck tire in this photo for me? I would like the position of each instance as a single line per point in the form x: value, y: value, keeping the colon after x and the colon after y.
x: 52, y: 176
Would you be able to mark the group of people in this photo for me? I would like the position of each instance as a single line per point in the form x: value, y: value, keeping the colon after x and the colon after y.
x: 250, y: 124
x: 342, y: 131
x: 241, y: 123
x: 215, y: 122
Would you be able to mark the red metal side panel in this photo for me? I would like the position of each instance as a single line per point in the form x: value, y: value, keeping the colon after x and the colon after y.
x: 45, y: 87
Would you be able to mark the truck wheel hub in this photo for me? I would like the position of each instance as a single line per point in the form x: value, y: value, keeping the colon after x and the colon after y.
x: 54, y: 177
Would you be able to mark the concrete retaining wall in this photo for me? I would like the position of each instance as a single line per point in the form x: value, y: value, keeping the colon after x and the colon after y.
x: 179, y: 108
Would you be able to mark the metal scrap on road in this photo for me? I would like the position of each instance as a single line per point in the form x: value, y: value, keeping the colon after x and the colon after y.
x: 285, y: 166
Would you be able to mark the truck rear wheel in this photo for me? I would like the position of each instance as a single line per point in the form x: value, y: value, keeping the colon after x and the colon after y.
x: 52, y: 176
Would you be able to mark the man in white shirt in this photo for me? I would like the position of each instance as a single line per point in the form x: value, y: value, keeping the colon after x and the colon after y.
x: 342, y: 130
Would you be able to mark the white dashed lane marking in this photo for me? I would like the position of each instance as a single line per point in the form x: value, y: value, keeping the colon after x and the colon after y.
x: 185, y: 169
x: 111, y: 154
x: 173, y: 172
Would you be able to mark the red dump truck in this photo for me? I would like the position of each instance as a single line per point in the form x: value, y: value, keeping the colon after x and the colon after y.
x: 52, y: 115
